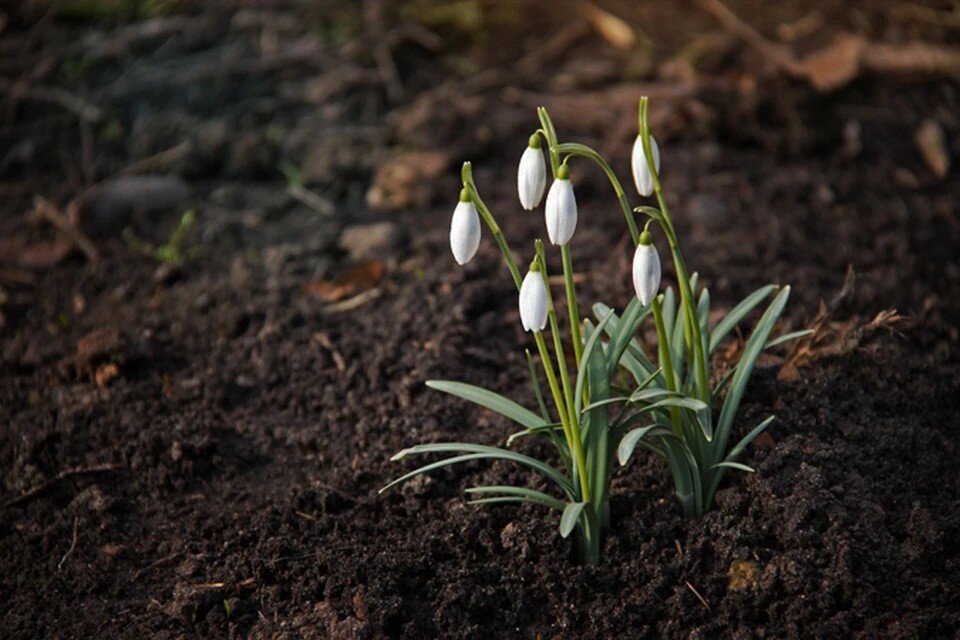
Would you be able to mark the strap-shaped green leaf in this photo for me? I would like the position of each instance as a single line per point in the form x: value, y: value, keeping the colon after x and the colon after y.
x: 531, y: 495
x: 535, y: 385
x: 787, y: 337
x: 588, y: 353
x: 747, y: 439
x: 737, y: 314
x: 741, y: 376
x: 490, y: 400
x: 621, y: 335
x: 734, y: 465
x: 546, y: 428
x: 476, y: 451
x: 629, y: 442
x: 571, y: 513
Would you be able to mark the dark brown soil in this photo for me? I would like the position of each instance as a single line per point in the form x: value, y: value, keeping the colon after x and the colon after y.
x: 231, y: 464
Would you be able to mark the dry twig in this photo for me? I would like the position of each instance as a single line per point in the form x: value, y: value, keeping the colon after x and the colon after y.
x: 73, y: 544
x: 49, y: 484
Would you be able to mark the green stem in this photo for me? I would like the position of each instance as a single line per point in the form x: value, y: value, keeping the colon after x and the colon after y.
x: 554, y: 387
x: 692, y: 332
x: 582, y: 150
x: 572, y: 308
x: 663, y: 347
x: 467, y: 175
x: 577, y: 441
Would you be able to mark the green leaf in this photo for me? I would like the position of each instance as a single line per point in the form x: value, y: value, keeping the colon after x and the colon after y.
x: 531, y: 495
x: 535, y: 385
x: 629, y: 442
x: 633, y: 359
x: 747, y: 439
x: 622, y: 334
x: 787, y: 337
x: 546, y: 428
x: 476, y: 451
x: 737, y: 314
x: 734, y: 465
x: 571, y: 513
x: 741, y: 376
x: 588, y: 350
x: 490, y: 400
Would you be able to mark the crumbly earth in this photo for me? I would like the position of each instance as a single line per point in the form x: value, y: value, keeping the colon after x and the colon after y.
x: 232, y: 431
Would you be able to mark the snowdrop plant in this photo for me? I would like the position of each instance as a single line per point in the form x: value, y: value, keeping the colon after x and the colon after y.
x: 694, y: 440
x: 589, y: 419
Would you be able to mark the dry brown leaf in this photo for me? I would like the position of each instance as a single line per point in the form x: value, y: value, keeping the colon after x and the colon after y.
x: 743, y: 575
x: 355, y: 280
x: 932, y: 145
x: 836, y: 64
x: 105, y: 373
x: 613, y: 29
x: 833, y: 338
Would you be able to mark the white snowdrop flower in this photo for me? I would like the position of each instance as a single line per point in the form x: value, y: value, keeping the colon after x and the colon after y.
x: 533, y: 301
x: 642, y: 177
x: 531, y: 175
x: 561, y: 208
x: 646, y: 269
x: 464, y: 229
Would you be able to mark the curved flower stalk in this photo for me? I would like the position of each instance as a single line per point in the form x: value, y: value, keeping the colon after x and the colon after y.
x: 586, y: 418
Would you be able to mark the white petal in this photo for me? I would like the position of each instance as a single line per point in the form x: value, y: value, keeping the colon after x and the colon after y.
x: 464, y: 232
x: 646, y: 272
x: 561, y: 212
x: 533, y: 302
x: 531, y: 178
x: 641, y: 170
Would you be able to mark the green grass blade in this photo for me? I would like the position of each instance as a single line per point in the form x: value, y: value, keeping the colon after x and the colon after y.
x: 571, y: 513
x: 737, y: 314
x: 490, y: 400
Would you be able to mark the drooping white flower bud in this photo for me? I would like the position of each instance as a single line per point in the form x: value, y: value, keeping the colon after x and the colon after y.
x: 561, y: 208
x: 642, y: 177
x: 646, y: 269
x: 533, y: 300
x: 464, y: 229
x: 531, y: 175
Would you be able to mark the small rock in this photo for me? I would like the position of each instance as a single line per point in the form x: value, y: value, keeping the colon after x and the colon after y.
x: 370, y: 240
x: 932, y: 144
x: 101, y: 346
x: 110, y: 206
